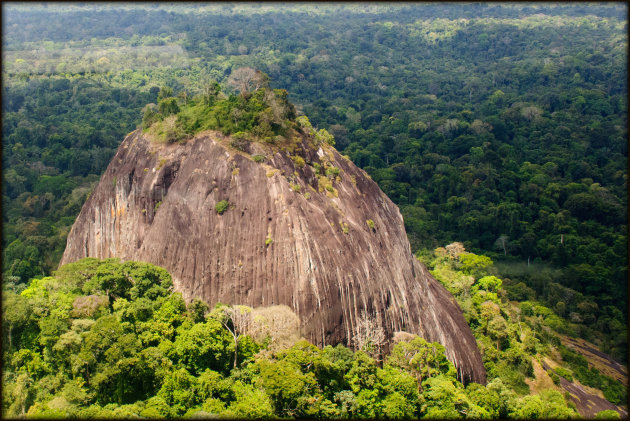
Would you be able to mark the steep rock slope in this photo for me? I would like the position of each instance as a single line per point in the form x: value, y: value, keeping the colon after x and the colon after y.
x: 307, y: 229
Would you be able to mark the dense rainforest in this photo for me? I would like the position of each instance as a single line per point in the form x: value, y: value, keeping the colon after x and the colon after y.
x: 103, y: 339
x: 499, y: 126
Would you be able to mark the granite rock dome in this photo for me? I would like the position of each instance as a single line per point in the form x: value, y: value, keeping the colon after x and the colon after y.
x: 303, y: 227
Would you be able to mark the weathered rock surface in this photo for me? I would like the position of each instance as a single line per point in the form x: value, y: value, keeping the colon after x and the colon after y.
x: 276, y: 244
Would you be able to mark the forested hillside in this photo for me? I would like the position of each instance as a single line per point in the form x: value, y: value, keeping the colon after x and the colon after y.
x: 503, y: 127
x: 103, y: 339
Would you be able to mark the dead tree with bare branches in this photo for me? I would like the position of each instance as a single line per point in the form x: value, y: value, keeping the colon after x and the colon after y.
x: 237, y: 320
x: 246, y: 80
x: 369, y: 335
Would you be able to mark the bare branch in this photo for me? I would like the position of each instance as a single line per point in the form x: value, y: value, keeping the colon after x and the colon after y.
x: 369, y: 335
x: 237, y: 322
x: 246, y: 80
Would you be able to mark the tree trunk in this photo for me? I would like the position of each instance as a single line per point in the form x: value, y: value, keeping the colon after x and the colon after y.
x: 235, y: 351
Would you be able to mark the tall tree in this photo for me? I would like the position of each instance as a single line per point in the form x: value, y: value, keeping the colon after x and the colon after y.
x: 247, y: 79
x: 237, y: 321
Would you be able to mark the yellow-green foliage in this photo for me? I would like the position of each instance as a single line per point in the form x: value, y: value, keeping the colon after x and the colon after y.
x: 127, y: 316
x: 265, y: 115
x: 344, y: 227
x: 168, y: 130
x: 332, y: 172
x: 508, y: 335
x: 305, y: 125
x: 473, y: 264
x: 37, y: 287
x: 198, y: 117
x: 370, y: 224
x: 436, y: 29
x: 507, y: 347
x: 322, y: 136
x: 324, y: 183
x: 221, y: 206
x: 298, y: 160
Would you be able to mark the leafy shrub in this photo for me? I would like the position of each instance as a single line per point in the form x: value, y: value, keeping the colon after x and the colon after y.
x: 332, y: 172
x: 322, y: 135
x: 344, y: 227
x: 614, y: 391
x: 150, y: 116
x: 169, y: 130
x: 527, y: 309
x: 488, y: 283
x: 305, y: 125
x: 519, y: 291
x: 221, y: 206
x: 608, y: 414
x: 563, y: 372
x: 555, y: 378
x: 475, y: 265
x: 298, y: 160
x: 168, y: 106
x: 258, y: 158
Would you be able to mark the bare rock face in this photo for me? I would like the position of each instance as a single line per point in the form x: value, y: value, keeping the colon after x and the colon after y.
x: 328, y: 246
